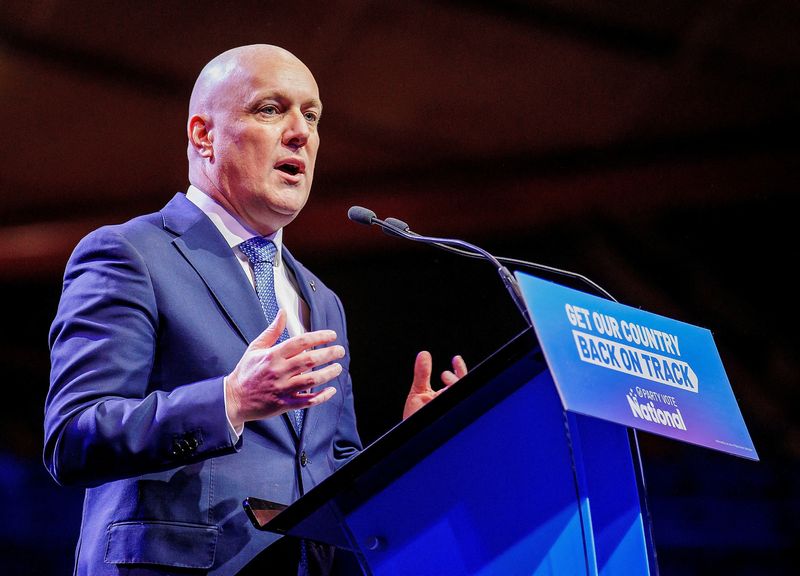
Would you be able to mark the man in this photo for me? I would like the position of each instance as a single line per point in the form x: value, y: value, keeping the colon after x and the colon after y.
x: 171, y: 397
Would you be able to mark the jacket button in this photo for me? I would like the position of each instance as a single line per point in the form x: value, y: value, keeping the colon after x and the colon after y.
x: 303, y: 459
x: 183, y: 447
x: 178, y: 449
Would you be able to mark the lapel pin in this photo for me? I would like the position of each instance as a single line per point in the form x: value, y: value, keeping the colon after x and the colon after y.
x: 313, y: 286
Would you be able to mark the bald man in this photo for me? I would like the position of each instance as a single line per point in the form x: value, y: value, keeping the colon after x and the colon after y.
x: 173, y: 392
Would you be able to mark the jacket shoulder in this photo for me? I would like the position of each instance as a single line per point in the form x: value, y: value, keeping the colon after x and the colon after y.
x: 144, y: 230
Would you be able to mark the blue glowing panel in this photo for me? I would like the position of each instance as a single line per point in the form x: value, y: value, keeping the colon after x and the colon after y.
x: 636, y: 368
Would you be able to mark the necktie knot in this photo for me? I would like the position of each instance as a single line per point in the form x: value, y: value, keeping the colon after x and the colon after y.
x: 259, y: 249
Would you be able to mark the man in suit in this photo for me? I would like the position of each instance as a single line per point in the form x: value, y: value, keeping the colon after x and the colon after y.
x: 174, y: 393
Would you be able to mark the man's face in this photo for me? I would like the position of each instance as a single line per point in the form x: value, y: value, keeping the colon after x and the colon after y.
x: 263, y: 130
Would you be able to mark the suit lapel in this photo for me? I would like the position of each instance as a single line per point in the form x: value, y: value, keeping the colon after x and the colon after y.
x: 316, y: 322
x: 309, y: 294
x: 207, y: 252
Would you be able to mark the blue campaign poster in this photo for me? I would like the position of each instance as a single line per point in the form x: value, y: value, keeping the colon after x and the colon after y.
x: 636, y: 368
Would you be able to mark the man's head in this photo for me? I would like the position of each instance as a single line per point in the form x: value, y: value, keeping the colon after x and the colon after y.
x: 253, y: 139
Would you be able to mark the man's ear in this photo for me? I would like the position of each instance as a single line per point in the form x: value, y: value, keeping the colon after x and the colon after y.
x: 201, y: 135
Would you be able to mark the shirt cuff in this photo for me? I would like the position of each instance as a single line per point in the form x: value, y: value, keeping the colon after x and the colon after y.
x: 235, y: 434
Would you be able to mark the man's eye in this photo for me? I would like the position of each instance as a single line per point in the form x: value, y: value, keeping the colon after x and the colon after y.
x: 312, y: 117
x: 269, y: 110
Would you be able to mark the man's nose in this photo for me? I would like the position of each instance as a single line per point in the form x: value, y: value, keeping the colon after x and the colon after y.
x: 297, y: 130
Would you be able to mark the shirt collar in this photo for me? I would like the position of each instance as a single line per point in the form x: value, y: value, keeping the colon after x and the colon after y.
x: 232, y: 229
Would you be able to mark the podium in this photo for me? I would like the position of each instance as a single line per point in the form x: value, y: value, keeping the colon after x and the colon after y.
x: 492, y: 477
x: 529, y: 464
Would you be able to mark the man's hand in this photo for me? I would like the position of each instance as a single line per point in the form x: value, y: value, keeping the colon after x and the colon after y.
x: 272, y: 379
x: 421, y: 392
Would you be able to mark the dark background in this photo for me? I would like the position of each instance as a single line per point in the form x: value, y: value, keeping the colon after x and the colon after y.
x: 649, y: 145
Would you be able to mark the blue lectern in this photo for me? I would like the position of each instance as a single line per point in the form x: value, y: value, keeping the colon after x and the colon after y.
x: 493, y: 477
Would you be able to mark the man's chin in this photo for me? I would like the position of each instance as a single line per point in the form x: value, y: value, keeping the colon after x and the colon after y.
x: 277, y: 210
x: 278, y: 217
x: 290, y: 205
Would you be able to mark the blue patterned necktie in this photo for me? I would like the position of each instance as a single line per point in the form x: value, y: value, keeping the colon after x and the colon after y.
x: 261, y: 253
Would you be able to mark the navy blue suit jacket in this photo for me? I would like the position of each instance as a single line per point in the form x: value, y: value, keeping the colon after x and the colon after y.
x: 153, y: 314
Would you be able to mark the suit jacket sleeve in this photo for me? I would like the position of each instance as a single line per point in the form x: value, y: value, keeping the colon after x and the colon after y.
x: 102, y: 419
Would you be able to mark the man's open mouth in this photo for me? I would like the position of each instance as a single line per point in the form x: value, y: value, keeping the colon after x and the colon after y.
x: 289, y: 168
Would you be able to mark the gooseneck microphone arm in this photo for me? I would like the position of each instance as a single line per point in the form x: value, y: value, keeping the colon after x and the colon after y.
x: 395, y: 223
x: 368, y: 217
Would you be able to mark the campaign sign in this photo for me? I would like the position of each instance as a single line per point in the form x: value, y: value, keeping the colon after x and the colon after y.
x: 635, y: 368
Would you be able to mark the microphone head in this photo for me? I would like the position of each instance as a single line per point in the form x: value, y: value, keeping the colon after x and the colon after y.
x: 361, y: 215
x: 397, y: 223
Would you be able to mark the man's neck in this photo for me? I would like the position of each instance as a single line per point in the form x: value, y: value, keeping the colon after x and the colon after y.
x: 230, y: 226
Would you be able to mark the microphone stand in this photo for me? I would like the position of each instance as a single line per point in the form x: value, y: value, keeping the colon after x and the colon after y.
x: 395, y: 223
x: 368, y: 217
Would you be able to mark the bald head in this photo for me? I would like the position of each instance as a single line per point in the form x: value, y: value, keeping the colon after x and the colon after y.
x: 252, y: 132
x: 226, y: 71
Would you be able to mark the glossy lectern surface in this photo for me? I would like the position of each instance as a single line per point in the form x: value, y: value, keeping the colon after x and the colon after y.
x: 492, y: 477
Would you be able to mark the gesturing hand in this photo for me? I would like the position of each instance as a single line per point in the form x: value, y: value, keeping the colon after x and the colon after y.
x: 421, y: 392
x: 271, y: 379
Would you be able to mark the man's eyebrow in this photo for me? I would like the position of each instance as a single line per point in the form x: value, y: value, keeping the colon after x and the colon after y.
x: 281, y: 97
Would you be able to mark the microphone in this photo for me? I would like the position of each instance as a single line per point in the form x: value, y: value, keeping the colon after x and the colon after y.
x: 361, y: 215
x: 399, y: 224
x: 395, y: 227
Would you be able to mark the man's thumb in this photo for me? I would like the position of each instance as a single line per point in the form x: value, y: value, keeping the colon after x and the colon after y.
x: 269, y: 336
x: 423, y: 366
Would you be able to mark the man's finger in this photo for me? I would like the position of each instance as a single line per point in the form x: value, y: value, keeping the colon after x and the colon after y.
x: 459, y: 366
x: 297, y: 344
x: 423, y: 366
x: 302, y: 400
x: 269, y: 336
x: 449, y: 378
x: 310, y: 359
x: 315, y: 378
